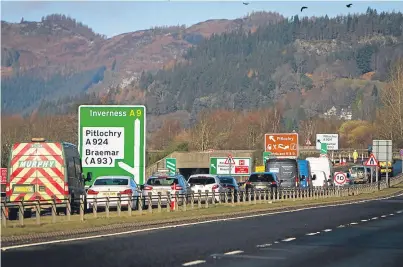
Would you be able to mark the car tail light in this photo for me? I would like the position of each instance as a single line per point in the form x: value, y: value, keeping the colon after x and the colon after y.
x: 147, y: 187
x: 216, y: 186
x: 247, y: 182
x: 176, y: 187
x: 92, y: 192
x: 273, y: 182
x: 126, y: 192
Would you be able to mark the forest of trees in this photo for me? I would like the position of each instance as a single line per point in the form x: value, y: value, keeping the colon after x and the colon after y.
x: 246, y: 70
x: 23, y: 93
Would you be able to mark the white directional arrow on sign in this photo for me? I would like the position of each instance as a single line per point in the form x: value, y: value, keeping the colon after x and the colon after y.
x: 272, y: 138
x: 135, y: 170
x: 212, y: 165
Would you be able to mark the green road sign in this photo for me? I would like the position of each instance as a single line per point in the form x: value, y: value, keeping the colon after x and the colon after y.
x: 323, y: 148
x: 266, y: 156
x: 112, y: 140
x: 170, y: 164
x: 230, y: 166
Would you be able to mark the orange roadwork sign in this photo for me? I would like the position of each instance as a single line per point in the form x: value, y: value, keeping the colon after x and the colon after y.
x: 282, y: 144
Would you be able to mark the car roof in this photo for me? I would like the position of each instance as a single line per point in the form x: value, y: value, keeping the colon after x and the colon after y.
x: 114, y: 177
x: 203, y: 175
x: 272, y: 173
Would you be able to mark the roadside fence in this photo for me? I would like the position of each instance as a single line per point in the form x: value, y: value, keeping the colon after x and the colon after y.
x: 128, y: 206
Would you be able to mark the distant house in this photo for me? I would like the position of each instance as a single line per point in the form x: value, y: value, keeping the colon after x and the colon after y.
x: 341, y: 114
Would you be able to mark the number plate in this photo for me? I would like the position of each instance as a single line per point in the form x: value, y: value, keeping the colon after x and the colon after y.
x: 24, y: 189
x: 109, y: 194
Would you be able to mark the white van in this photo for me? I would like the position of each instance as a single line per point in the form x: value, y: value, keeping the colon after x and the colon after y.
x: 321, y: 164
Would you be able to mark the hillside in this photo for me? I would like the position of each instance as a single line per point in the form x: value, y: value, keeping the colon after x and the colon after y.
x: 68, y: 57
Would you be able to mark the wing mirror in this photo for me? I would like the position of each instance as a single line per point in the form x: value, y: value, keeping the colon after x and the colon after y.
x: 314, y: 177
x: 329, y: 180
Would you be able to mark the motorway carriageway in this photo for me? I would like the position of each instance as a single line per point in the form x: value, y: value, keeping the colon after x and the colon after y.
x: 362, y: 234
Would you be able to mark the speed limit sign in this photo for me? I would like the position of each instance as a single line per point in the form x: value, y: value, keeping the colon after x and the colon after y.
x: 340, y: 178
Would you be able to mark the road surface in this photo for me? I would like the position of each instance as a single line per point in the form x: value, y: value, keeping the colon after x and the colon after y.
x: 365, y: 234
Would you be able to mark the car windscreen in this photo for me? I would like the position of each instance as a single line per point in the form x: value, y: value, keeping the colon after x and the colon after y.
x: 201, y: 180
x: 226, y: 180
x: 357, y: 169
x: 261, y: 178
x: 162, y: 181
x: 111, y: 181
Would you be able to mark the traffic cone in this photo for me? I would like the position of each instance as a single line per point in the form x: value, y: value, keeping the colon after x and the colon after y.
x: 172, y: 204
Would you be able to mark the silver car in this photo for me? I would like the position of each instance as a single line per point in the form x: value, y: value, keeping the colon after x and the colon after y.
x: 207, y: 182
x: 164, y: 184
x: 113, y: 187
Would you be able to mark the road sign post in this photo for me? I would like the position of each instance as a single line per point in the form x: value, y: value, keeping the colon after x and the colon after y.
x: 112, y: 140
x: 382, y: 149
x: 237, y: 166
x: 170, y: 164
x: 284, y: 145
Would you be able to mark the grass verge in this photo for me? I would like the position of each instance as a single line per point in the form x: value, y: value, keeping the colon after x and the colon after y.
x: 145, y: 218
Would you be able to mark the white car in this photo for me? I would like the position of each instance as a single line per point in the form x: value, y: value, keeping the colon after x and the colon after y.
x: 208, y: 182
x: 112, y: 187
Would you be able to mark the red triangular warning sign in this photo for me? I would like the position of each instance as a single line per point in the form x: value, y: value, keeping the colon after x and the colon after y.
x: 371, y: 161
x: 229, y: 160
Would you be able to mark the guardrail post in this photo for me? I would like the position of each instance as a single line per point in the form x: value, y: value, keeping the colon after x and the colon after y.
x: 94, y: 207
x: 119, y: 207
x: 199, y: 200
x: 107, y: 207
x: 213, y: 198
x: 82, y: 208
x: 129, y: 205
x: 233, y: 197
x: 207, y: 195
x: 68, y: 208
x: 53, y: 209
x: 150, y: 202
x: 192, y: 200
x: 176, y: 201
x: 38, y: 211
x: 184, y: 197
x: 226, y: 197
x: 159, y: 201
x: 3, y: 214
x: 238, y: 197
x: 220, y: 194
x: 250, y: 197
x: 243, y: 196
x: 21, y: 212
x: 140, y: 202
x: 168, y: 202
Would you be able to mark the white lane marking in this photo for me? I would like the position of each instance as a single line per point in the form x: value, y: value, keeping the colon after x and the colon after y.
x: 364, y: 220
x: 384, y: 216
x: 263, y: 246
x: 341, y: 226
x: 391, y: 214
x: 375, y: 218
x: 276, y: 242
x: 191, y: 224
x: 399, y: 211
x: 327, y: 230
x: 311, y: 233
x: 353, y: 223
x: 288, y: 239
x: 190, y: 263
x: 234, y: 252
